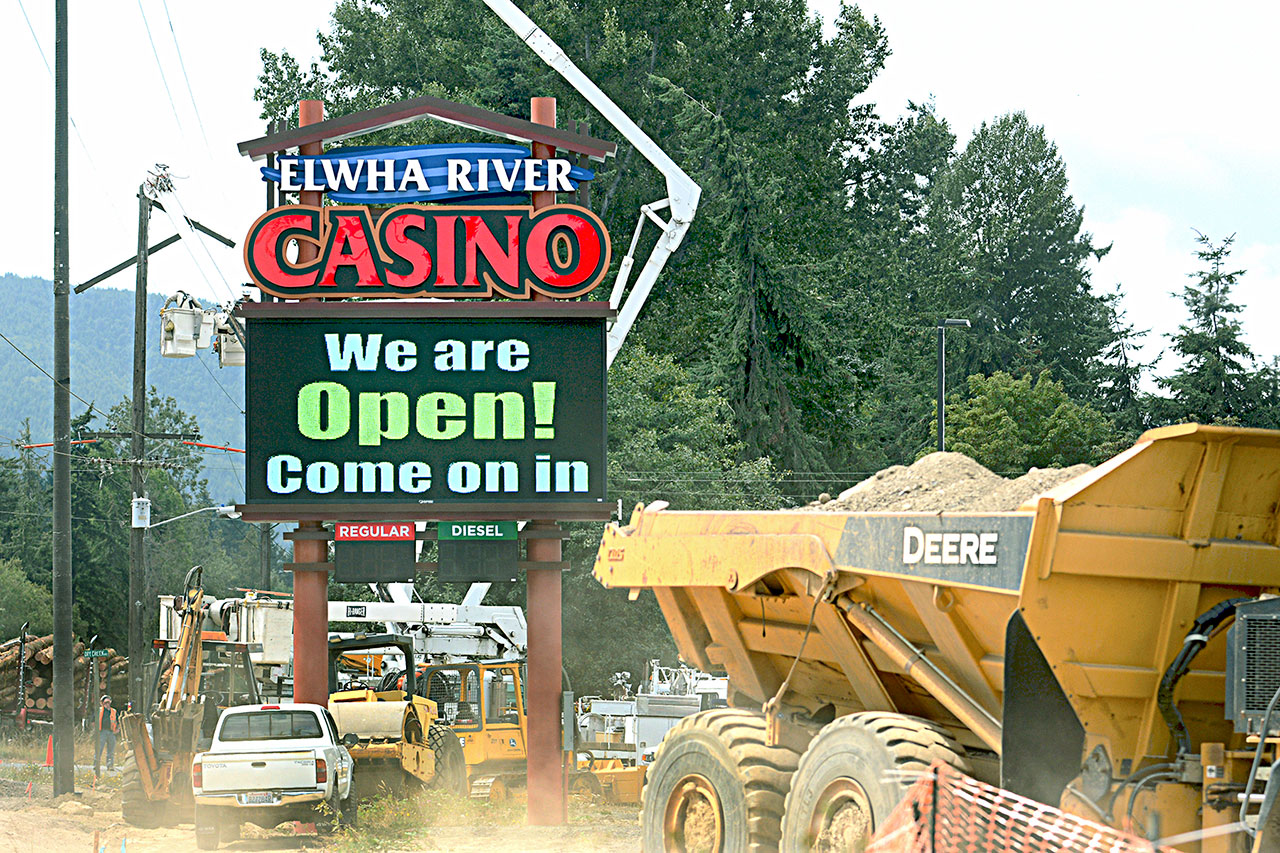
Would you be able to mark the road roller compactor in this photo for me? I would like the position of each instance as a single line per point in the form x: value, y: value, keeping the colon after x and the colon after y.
x: 1111, y: 648
x: 401, y: 742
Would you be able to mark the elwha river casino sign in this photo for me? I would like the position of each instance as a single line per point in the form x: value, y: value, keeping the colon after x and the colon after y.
x: 429, y: 250
x: 415, y: 408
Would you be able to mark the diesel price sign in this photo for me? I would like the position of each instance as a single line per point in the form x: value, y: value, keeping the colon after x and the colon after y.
x: 491, y: 409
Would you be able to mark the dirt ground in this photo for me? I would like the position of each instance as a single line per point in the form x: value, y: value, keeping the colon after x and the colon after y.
x: 42, y: 825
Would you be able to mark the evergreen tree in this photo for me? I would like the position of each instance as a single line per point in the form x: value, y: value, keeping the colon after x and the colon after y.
x: 100, y: 517
x: 750, y: 97
x: 1214, y: 382
x: 1010, y: 255
x: 1267, y: 385
x: 887, y: 306
x: 1121, y: 371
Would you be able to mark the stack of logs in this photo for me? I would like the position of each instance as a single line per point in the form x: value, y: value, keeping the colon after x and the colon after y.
x: 112, y: 675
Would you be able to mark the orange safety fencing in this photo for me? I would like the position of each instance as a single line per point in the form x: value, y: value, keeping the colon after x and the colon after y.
x: 945, y: 811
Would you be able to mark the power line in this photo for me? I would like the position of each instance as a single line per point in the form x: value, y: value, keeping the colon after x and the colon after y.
x: 183, y: 65
x: 163, y: 78
x: 73, y: 518
x: 220, y: 451
x: 99, y: 461
x: 75, y: 127
x: 235, y: 471
x: 146, y: 461
x: 192, y: 236
x: 226, y: 393
x: 45, y: 372
x: 14, y: 441
x: 186, y: 245
x: 173, y: 192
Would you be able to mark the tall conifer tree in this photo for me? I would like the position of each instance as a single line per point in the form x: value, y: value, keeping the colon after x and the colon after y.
x: 1215, y: 381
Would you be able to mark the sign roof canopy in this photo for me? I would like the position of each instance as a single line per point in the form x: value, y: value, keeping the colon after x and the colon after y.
x: 403, y: 112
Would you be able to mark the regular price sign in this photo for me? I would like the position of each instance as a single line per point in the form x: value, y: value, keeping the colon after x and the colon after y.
x: 415, y: 416
x: 374, y: 552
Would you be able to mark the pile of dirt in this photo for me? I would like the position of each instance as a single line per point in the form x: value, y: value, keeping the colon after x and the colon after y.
x: 944, y: 482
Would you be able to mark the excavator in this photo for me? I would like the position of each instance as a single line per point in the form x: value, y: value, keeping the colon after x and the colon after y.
x: 196, y: 676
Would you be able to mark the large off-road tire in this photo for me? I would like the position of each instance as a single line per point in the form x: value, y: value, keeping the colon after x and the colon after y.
x: 208, y: 827
x: 855, y: 771
x: 451, y: 763
x: 136, y: 809
x: 716, y: 787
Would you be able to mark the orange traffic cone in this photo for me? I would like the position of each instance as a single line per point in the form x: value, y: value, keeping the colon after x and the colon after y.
x: 48, y: 753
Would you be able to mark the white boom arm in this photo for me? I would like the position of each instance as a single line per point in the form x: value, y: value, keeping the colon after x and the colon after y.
x: 682, y: 192
x: 446, y: 632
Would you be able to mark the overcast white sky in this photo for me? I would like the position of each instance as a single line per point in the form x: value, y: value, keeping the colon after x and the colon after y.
x: 1162, y: 111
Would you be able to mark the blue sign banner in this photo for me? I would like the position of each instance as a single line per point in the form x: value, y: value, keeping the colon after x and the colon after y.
x: 388, y: 175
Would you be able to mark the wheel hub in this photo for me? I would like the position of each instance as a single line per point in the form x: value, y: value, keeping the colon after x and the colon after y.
x: 693, y: 821
x: 841, y: 817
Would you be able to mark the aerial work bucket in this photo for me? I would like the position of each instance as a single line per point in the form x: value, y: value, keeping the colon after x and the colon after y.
x: 182, y: 327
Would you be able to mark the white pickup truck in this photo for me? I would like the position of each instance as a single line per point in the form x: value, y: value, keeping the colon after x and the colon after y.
x: 269, y: 764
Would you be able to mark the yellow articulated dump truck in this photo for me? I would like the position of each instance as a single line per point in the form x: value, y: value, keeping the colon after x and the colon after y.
x: 1111, y: 648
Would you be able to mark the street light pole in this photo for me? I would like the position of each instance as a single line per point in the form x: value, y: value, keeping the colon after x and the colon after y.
x: 942, y: 378
x: 224, y: 511
x: 942, y: 387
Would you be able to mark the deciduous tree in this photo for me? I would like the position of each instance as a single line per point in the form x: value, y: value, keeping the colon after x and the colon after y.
x: 1012, y: 425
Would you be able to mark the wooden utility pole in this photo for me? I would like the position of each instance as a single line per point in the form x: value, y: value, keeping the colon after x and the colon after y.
x: 64, y: 781
x: 137, y: 449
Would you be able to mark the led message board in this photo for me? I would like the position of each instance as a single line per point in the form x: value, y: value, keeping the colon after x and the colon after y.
x: 426, y: 410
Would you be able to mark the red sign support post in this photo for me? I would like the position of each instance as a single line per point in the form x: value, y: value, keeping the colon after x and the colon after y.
x: 545, y: 773
x: 310, y: 585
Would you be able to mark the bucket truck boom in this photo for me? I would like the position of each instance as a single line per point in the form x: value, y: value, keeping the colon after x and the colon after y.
x: 682, y: 193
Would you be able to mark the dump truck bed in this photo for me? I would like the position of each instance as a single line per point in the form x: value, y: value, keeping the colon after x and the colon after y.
x: 1087, y: 591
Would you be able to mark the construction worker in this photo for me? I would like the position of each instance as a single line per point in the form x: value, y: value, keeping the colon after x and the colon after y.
x: 106, y: 736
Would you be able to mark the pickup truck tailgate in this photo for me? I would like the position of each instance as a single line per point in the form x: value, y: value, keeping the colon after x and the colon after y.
x: 259, y: 771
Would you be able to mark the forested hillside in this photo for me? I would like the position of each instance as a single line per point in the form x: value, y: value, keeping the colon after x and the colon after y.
x: 102, y: 373
x: 188, y: 395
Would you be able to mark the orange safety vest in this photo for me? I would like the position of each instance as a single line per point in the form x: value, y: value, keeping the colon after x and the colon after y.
x: 112, y: 718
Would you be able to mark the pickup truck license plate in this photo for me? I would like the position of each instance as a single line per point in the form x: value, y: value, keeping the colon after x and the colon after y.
x: 257, y: 798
